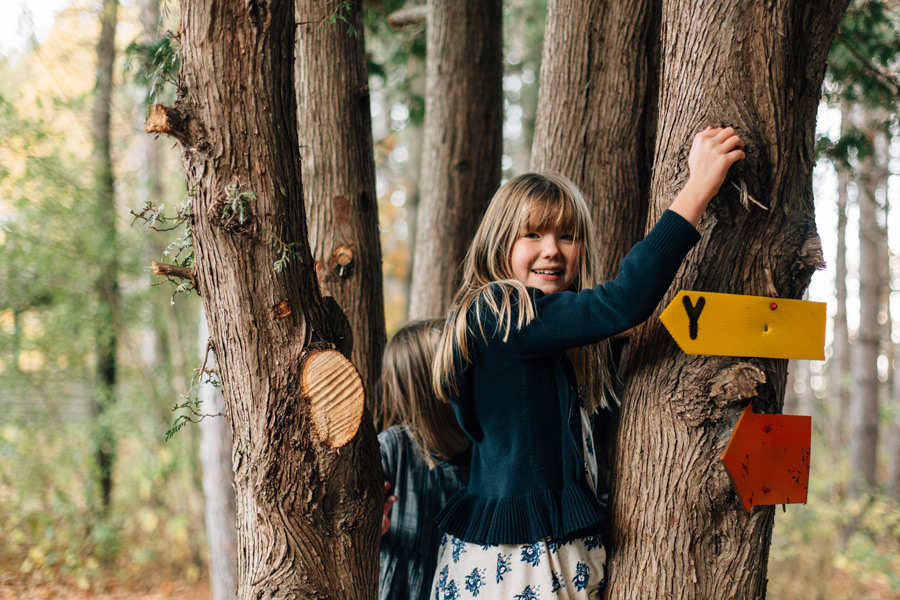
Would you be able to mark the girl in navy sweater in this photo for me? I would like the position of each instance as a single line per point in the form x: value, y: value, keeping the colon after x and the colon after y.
x: 522, y: 362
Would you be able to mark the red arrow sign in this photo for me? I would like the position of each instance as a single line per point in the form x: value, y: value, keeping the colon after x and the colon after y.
x: 768, y: 458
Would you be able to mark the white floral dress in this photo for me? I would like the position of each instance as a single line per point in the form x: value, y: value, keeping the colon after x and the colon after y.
x: 544, y: 570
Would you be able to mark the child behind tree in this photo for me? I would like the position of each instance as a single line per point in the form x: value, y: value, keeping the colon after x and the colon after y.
x: 425, y: 456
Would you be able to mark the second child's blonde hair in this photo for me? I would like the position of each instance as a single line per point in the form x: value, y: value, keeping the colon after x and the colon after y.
x: 526, y: 203
x: 407, y: 398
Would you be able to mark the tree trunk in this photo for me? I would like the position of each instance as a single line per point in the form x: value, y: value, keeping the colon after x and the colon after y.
x: 307, y: 470
x: 218, y: 481
x: 339, y: 174
x: 103, y: 436
x: 839, y: 365
x: 678, y: 528
x: 463, y: 144
x: 893, y: 448
x: 871, y: 175
x: 590, y: 123
x: 795, y: 380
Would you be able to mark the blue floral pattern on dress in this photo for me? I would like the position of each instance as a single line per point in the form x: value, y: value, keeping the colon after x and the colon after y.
x: 503, y: 565
x: 531, y: 553
x: 450, y: 591
x: 582, y: 575
x: 441, y: 582
x: 593, y: 541
x: 557, y: 582
x: 459, y: 548
x: 553, y: 546
x: 529, y: 593
x: 475, y: 581
x: 589, y: 444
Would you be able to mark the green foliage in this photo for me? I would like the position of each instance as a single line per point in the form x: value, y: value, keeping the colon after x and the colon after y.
x: 51, y: 257
x: 863, y: 59
x: 835, y: 547
x: 236, y: 208
x: 396, y: 58
x: 852, y: 144
x: 287, y: 252
x: 50, y: 535
x: 343, y: 10
x: 155, y: 64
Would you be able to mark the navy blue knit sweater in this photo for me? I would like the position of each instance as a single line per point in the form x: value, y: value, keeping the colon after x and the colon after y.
x: 517, y: 401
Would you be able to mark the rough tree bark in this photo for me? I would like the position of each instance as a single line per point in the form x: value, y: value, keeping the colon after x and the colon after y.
x: 463, y: 144
x: 103, y: 435
x: 678, y: 528
x: 307, y: 471
x: 339, y: 174
x: 871, y: 176
x: 591, y: 120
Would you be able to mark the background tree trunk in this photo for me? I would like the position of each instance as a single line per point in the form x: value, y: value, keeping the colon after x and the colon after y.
x: 839, y: 365
x: 687, y: 535
x: 218, y: 482
x: 308, y: 496
x: 590, y: 123
x: 893, y: 448
x: 872, y: 175
x: 339, y: 174
x: 463, y: 144
x: 104, y: 437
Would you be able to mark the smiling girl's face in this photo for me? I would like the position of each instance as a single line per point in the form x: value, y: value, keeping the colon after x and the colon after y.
x: 546, y: 259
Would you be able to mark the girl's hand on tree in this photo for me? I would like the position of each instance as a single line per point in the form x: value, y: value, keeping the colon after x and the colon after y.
x: 713, y: 152
x: 388, y: 502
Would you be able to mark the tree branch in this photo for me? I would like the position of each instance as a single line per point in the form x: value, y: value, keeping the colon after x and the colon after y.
x: 170, y: 121
x: 883, y: 74
x: 167, y: 270
x: 405, y: 17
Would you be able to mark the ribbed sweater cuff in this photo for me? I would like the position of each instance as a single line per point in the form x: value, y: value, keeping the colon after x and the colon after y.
x: 673, y: 234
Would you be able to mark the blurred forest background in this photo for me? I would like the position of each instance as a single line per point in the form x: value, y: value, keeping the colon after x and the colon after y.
x: 95, y: 500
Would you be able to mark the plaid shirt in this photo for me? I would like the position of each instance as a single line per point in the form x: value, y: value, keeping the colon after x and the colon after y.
x: 409, y: 548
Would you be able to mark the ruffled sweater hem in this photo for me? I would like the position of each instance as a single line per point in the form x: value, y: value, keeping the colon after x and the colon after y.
x: 556, y: 514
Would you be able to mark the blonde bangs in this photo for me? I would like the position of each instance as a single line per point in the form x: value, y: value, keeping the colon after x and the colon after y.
x: 552, y: 202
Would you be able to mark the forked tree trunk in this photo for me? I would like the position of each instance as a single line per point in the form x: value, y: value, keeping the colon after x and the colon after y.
x: 463, y: 144
x: 678, y: 528
x: 338, y: 171
x: 590, y: 123
x: 103, y: 436
x: 307, y: 470
x: 597, y: 70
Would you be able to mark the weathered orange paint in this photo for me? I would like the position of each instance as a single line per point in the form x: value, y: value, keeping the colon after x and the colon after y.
x: 768, y: 458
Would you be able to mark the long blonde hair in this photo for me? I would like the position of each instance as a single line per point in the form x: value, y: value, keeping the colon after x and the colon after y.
x: 528, y: 202
x: 406, y: 395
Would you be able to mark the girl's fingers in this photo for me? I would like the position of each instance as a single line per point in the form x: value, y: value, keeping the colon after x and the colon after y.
x: 724, y: 133
x: 736, y: 156
x: 731, y: 143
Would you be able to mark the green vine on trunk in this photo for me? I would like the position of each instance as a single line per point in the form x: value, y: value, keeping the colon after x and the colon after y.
x: 342, y: 10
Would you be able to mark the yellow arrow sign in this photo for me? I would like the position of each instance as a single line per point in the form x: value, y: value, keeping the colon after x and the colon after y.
x: 734, y: 325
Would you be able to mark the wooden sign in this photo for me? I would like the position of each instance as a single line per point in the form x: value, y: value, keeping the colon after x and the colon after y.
x: 768, y: 458
x: 735, y: 325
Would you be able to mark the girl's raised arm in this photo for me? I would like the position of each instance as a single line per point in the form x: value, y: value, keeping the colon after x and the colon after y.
x: 713, y: 152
